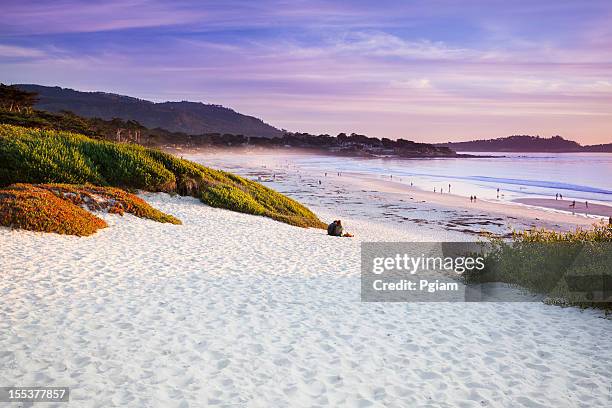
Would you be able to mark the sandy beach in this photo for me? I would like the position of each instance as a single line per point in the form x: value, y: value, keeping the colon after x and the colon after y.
x: 237, y: 310
x: 580, y: 217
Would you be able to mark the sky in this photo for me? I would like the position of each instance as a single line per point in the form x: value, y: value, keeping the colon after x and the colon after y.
x: 430, y: 71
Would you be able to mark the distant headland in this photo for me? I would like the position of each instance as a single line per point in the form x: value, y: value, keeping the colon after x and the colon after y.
x: 526, y: 144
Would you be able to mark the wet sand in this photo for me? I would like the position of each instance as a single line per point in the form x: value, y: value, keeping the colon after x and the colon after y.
x: 564, y: 205
x: 579, y: 218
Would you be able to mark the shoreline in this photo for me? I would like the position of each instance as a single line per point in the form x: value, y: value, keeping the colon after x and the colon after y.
x: 536, y: 209
x: 594, y: 209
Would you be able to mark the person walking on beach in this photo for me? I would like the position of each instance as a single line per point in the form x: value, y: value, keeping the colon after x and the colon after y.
x: 474, y: 198
x: 586, y: 204
x: 434, y: 189
x: 557, y: 196
x: 560, y: 196
x: 471, y: 199
x: 573, y: 204
x: 449, y: 186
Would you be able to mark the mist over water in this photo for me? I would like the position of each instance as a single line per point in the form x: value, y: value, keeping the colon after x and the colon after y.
x: 581, y: 176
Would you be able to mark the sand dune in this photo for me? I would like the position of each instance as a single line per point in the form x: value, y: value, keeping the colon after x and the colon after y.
x: 237, y: 310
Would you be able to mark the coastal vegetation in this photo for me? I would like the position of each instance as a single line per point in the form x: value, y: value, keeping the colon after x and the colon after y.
x: 13, y: 99
x: 39, y: 156
x: 570, y: 268
x: 36, y: 209
x: 62, y: 208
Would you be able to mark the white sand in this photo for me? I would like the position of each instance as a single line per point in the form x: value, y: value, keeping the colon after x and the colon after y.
x: 236, y: 310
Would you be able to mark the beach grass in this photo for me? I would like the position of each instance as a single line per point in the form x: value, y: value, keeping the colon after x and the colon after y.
x: 39, y: 156
x: 570, y: 268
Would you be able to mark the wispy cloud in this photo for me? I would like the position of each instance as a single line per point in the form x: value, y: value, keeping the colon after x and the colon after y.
x: 13, y: 51
x: 78, y: 16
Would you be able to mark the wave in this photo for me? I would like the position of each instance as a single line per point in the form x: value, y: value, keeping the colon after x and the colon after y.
x: 541, y: 183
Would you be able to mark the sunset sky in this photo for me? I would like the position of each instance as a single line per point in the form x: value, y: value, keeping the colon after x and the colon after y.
x: 423, y: 70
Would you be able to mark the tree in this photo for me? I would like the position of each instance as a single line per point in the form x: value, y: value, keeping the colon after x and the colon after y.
x: 14, y: 99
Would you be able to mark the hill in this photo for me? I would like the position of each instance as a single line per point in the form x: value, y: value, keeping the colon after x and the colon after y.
x: 186, y: 117
x: 525, y: 143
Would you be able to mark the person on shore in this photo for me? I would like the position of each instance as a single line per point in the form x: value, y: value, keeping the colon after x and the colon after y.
x: 434, y: 189
x: 335, y: 229
x: 449, y: 186
x: 573, y: 204
x: 560, y: 196
x: 586, y: 204
x: 557, y: 196
x: 474, y: 198
x: 471, y: 199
